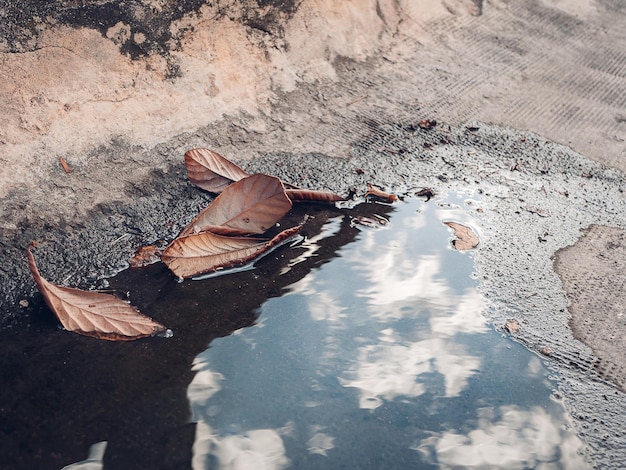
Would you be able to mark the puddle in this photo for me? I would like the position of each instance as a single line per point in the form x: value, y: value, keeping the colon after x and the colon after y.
x: 363, y: 346
x: 379, y: 359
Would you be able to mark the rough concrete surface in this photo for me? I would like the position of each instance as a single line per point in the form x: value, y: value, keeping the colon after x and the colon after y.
x: 597, y: 293
x: 530, y: 99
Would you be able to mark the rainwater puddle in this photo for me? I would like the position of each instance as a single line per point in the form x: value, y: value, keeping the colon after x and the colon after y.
x: 379, y: 358
x: 363, y: 346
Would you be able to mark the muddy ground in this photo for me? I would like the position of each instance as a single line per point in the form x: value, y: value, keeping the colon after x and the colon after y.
x: 529, y: 102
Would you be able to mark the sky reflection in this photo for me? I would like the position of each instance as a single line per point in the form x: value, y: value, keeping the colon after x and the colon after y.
x: 507, y: 437
x: 379, y: 358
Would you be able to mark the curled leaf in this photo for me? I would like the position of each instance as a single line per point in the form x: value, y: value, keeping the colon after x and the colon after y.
x: 249, y: 206
x: 94, y: 314
x: 204, y: 252
x: 210, y: 171
x: 374, y: 191
x: 466, y: 239
x: 315, y: 196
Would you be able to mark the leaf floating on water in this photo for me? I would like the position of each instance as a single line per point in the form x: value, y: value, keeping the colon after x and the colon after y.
x: 249, y: 206
x: 205, y: 252
x: 376, y: 221
x: 210, y: 171
x: 314, y: 196
x: 379, y: 193
x: 466, y: 239
x: 94, y: 314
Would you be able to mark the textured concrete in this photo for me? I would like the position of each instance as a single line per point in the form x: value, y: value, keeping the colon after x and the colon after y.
x: 592, y: 270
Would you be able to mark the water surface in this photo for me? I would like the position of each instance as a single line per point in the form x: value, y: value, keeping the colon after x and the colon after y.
x: 380, y: 358
x: 361, y: 346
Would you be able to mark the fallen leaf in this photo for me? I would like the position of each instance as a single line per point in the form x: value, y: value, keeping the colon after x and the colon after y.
x: 210, y: 171
x: 466, y: 239
x: 427, y: 124
x: 66, y: 167
x: 512, y: 326
x: 145, y: 256
x: 546, y: 351
x: 374, y: 191
x: 250, y: 206
x: 205, y: 252
x: 313, y: 196
x: 94, y: 314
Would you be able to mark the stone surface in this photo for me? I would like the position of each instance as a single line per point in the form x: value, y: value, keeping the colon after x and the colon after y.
x: 592, y: 270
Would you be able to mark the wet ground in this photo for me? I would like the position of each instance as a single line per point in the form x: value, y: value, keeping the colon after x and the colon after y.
x: 329, y: 98
x: 363, y: 344
x: 535, y: 197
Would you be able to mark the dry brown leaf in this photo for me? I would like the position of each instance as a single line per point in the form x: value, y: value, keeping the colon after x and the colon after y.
x: 374, y: 191
x: 466, y: 239
x: 205, y: 252
x: 314, y: 196
x: 94, y: 314
x: 427, y: 124
x: 210, y: 171
x: 66, y: 167
x: 249, y: 206
x: 512, y: 326
x: 145, y: 256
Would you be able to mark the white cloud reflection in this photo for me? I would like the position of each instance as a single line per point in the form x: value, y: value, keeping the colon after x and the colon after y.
x: 394, y: 278
x: 515, y: 439
x: 401, y: 284
x: 465, y: 317
x: 392, y: 369
x: 320, y: 442
x: 259, y: 449
x: 390, y: 322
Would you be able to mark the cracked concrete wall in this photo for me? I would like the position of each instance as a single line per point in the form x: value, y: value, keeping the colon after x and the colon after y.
x: 76, y: 90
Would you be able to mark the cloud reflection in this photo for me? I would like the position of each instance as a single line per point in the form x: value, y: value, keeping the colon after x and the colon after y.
x: 392, y: 369
x: 510, y: 438
x: 261, y: 449
x: 403, y: 282
x: 389, y: 320
x: 320, y: 442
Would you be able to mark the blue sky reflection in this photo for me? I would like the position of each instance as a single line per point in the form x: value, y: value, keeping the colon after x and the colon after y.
x: 379, y: 358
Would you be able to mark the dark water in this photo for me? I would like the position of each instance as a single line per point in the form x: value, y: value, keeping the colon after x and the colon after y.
x: 361, y: 347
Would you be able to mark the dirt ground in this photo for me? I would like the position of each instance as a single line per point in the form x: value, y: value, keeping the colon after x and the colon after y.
x: 316, y: 89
